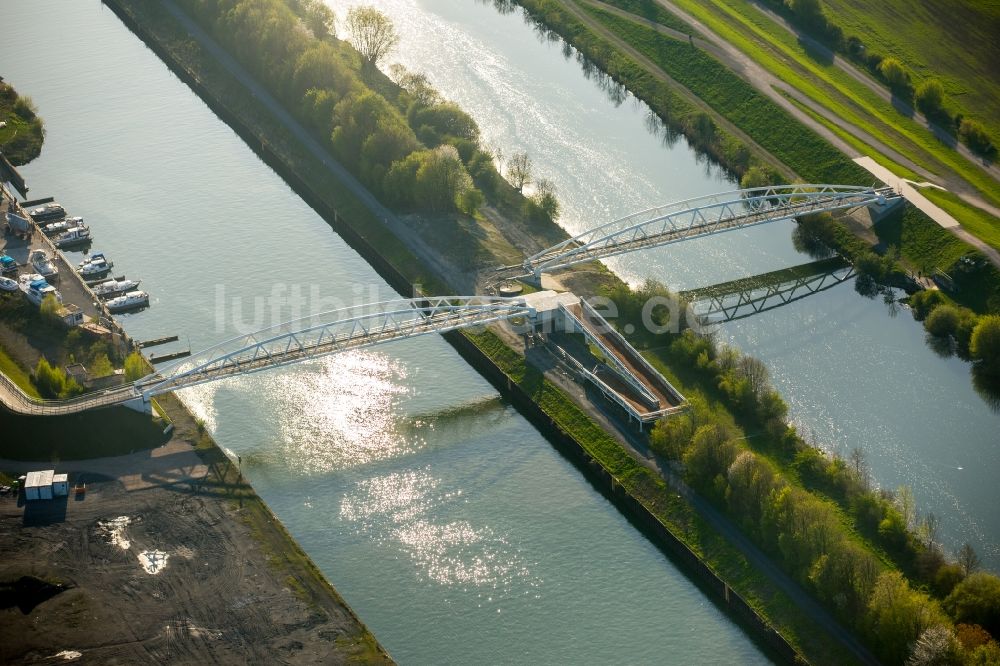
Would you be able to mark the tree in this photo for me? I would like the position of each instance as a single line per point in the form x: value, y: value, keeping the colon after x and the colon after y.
x: 545, y: 198
x: 936, y: 646
x: 50, y: 308
x: 976, y: 600
x: 441, y: 180
x: 416, y: 84
x: 967, y: 559
x: 519, y: 170
x: 984, y: 345
x: 898, y: 616
x: 373, y: 33
x: 906, y: 504
x: 320, y: 18
x: 930, y: 97
x: 975, y: 135
x: 135, y: 367
x: 895, y: 74
x: 756, y: 176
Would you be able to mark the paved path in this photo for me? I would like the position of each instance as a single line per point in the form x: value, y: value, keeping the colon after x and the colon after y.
x: 912, y: 194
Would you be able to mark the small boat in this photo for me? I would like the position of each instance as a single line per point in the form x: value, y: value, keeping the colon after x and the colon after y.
x: 97, y: 268
x: 62, y: 225
x: 50, y: 211
x: 42, y: 263
x: 35, y: 288
x: 133, y: 300
x: 111, y: 288
x: 93, y: 256
x: 96, y: 265
x: 6, y: 284
x: 7, y: 264
x: 73, y: 237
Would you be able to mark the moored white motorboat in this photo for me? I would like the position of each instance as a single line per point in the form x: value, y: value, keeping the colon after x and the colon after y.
x: 36, y: 288
x: 95, y: 265
x: 111, y: 288
x: 73, y: 237
x: 50, y: 211
x: 42, y: 263
x: 133, y: 300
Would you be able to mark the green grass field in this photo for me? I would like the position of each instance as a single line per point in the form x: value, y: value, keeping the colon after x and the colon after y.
x: 978, y: 222
x: 769, y: 125
x: 778, y: 51
x: 17, y: 374
x: 954, y: 41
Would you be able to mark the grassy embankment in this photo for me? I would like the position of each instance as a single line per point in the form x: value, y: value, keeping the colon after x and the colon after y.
x: 781, y: 53
x: 927, y: 247
x: 22, y: 135
x: 953, y: 41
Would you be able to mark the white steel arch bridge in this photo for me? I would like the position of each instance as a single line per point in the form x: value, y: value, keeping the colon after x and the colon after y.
x: 377, y: 323
x: 701, y: 216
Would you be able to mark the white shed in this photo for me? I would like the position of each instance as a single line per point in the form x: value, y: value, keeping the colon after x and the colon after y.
x: 38, y: 485
x: 60, y: 485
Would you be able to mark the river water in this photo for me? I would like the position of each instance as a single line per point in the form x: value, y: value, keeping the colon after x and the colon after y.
x: 449, y: 524
x: 854, y: 373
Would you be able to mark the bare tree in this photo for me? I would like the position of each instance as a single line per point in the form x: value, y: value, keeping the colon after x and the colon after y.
x: 967, y: 559
x: 929, y: 529
x: 519, y: 170
x: 415, y: 83
x: 906, y: 504
x: 372, y: 32
x: 860, y: 465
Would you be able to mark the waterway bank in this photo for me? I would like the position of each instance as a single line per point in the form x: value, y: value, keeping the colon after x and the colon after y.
x: 271, y: 143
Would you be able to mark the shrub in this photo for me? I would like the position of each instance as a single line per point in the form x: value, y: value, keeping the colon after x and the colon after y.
x: 976, y: 600
x: 894, y: 73
x: 975, y: 135
x: 984, y: 344
x: 924, y: 302
x: 135, y: 367
x: 930, y: 97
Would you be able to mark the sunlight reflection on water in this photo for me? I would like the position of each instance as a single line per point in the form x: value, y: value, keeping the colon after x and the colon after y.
x: 399, y: 509
x: 332, y: 413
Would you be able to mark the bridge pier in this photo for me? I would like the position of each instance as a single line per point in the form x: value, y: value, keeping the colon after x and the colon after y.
x: 139, y: 404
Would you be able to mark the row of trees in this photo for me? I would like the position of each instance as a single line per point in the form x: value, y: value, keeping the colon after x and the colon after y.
x: 952, y: 613
x: 413, y: 149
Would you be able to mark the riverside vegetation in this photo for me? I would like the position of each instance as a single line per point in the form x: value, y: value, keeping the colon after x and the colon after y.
x: 370, y: 121
x: 23, y: 131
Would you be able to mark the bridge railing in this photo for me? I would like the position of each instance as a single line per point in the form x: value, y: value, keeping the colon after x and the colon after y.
x: 16, y: 400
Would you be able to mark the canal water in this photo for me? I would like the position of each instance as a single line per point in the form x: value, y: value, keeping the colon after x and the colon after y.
x: 854, y: 373
x: 450, y: 525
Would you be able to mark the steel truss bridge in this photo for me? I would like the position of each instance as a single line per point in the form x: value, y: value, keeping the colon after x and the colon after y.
x: 739, y: 299
x: 702, y: 216
x: 377, y: 323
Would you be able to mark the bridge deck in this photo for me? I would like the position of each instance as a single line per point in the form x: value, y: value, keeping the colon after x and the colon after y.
x: 596, y: 327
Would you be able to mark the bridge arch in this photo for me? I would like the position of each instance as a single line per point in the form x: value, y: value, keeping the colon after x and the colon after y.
x: 702, y: 216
